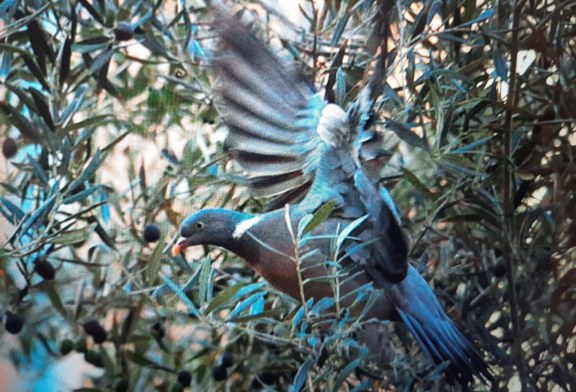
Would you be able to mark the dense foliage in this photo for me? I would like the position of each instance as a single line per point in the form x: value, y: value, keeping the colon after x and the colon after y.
x: 110, y: 138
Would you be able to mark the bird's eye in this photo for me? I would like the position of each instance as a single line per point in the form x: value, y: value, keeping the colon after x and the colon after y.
x: 199, y: 225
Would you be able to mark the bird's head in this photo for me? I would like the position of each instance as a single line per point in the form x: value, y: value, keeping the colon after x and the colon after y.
x: 208, y: 227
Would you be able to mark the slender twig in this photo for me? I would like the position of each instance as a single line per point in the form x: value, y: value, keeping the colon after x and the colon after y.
x: 508, y: 196
x: 315, y: 40
x: 297, y: 261
x: 402, y: 48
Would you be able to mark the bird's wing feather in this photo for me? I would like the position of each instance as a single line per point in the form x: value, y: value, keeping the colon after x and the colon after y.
x: 271, y: 112
x: 389, y: 252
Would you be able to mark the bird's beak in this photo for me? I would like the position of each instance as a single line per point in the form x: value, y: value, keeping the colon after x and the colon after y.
x: 179, y: 246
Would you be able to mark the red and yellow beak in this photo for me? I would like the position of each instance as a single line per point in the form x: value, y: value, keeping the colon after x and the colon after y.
x: 179, y: 246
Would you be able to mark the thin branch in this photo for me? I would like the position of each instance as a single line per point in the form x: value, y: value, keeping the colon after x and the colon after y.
x: 508, y: 197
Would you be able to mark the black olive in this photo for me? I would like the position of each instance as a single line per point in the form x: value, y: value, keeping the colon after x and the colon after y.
x: 185, y: 378
x: 123, y: 31
x: 219, y: 373
x: 227, y: 359
x: 45, y: 269
x: 91, y: 327
x: 13, y: 323
x: 100, y: 336
x: 94, y: 329
x: 499, y: 268
x: 9, y: 147
x: 151, y: 233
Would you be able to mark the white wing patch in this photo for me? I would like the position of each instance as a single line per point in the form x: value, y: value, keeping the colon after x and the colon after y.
x: 333, y: 125
x: 244, y: 226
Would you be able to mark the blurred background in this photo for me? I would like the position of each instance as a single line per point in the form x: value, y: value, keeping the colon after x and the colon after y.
x: 109, y: 139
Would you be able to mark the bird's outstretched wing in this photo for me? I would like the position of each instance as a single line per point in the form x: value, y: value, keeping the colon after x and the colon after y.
x: 271, y: 112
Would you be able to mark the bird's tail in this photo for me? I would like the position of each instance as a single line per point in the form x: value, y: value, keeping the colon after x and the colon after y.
x: 436, y: 333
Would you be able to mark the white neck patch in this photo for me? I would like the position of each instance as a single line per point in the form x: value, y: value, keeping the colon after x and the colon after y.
x: 244, y: 226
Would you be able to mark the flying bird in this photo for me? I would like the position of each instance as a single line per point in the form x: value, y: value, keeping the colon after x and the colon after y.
x: 306, y: 154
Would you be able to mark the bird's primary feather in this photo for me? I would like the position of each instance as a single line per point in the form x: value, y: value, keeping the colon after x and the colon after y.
x: 271, y: 112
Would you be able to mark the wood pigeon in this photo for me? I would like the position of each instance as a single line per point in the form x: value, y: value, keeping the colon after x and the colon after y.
x: 306, y: 154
